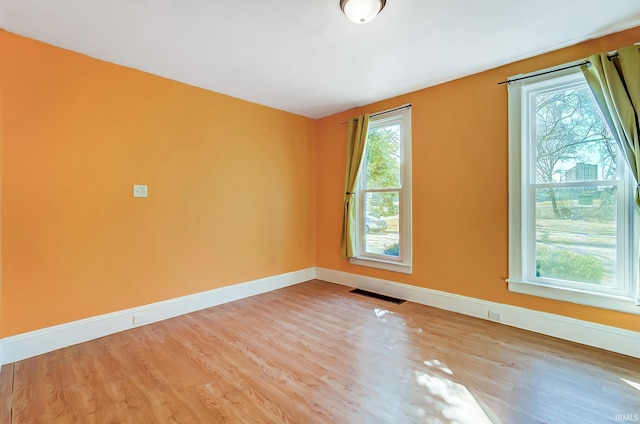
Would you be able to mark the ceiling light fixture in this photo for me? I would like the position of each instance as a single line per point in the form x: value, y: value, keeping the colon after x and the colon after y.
x: 361, y: 11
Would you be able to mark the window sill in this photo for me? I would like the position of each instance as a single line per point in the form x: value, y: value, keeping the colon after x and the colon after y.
x: 620, y: 304
x: 380, y: 264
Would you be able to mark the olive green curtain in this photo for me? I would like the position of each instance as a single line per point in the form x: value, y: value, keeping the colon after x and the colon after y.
x: 358, y: 129
x: 615, y: 82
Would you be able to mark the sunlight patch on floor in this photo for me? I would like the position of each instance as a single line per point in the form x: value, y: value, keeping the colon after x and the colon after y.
x: 439, y: 365
x: 631, y: 383
x: 453, y: 401
x: 380, y: 313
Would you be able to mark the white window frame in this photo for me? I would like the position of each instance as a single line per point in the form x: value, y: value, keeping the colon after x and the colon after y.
x: 403, y: 262
x: 521, y: 220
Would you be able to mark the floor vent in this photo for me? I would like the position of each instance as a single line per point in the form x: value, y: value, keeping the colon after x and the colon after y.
x: 378, y: 296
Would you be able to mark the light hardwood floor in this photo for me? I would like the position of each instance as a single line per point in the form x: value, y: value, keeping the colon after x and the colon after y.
x: 315, y: 353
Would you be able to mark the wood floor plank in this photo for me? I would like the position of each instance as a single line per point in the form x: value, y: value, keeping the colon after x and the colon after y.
x: 315, y: 353
x: 6, y: 393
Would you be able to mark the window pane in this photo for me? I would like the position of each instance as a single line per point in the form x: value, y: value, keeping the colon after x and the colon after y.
x: 382, y: 223
x: 382, y: 157
x: 576, y: 234
x: 573, y: 143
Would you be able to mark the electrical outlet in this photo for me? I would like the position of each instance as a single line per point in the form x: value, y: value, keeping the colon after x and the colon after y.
x: 140, y: 319
x: 496, y: 316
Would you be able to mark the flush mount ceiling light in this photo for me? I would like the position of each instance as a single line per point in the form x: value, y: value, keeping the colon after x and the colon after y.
x: 361, y: 11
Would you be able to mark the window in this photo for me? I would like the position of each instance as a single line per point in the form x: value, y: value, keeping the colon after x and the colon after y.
x: 571, y: 208
x: 383, y: 194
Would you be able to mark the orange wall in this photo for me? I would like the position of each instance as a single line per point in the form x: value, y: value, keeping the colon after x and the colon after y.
x: 460, y: 186
x: 238, y: 191
x: 231, y: 188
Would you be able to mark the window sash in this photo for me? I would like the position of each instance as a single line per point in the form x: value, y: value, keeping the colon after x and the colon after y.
x: 529, y: 177
x: 622, y: 287
x: 362, y: 234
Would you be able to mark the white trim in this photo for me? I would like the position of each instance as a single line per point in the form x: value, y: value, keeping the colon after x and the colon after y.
x: 25, y: 345
x: 402, y: 263
x: 612, y: 303
x: 522, y: 186
x: 614, y: 339
x: 380, y: 264
x: 21, y: 346
x: 515, y: 180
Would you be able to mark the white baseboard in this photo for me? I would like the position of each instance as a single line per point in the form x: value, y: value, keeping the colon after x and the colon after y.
x: 21, y: 346
x: 26, y: 345
x: 605, y: 337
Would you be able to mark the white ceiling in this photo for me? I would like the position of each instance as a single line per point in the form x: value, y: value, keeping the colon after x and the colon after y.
x: 304, y: 56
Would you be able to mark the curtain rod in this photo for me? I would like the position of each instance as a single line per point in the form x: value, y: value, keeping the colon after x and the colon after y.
x: 384, y: 111
x: 509, y: 81
x: 575, y: 65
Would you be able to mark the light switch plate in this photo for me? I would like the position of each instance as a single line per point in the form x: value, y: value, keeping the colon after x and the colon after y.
x: 139, y: 190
